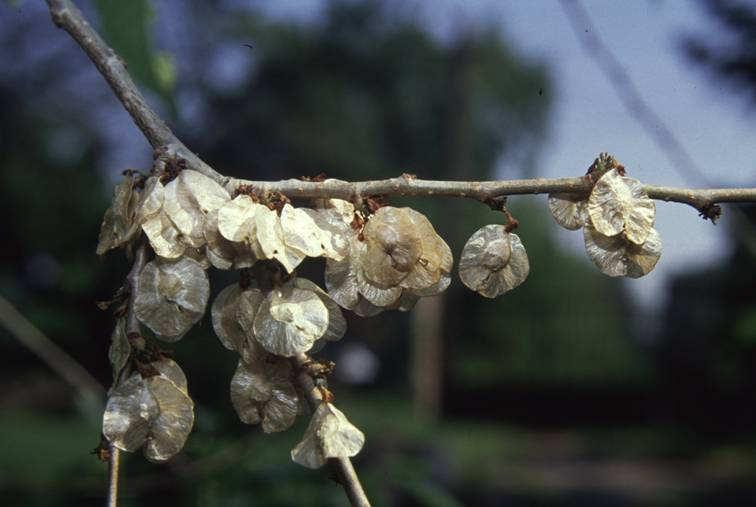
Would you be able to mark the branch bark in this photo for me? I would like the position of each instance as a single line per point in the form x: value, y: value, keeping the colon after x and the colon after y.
x: 342, y: 467
x: 483, y: 191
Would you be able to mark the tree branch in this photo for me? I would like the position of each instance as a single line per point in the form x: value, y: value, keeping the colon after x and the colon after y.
x: 132, y: 280
x: 342, y: 467
x: 483, y: 191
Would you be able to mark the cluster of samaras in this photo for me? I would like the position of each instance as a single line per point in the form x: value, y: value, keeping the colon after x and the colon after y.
x: 377, y: 258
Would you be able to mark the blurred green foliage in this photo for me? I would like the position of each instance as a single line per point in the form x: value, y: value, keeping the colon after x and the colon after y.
x: 128, y: 28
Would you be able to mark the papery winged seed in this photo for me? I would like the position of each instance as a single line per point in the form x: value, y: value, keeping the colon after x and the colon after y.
x: 329, y: 435
x: 376, y: 295
x: 344, y: 208
x: 198, y: 255
x: 616, y: 256
x: 120, y: 349
x: 236, y: 218
x: 170, y: 429
x: 172, y: 297
x: 128, y: 414
x: 270, y: 237
x: 262, y: 391
x: 153, y: 196
x: 301, y: 233
x: 336, y: 322
x: 569, y: 211
x: 518, y: 268
x: 341, y: 282
x: 163, y: 236
x: 119, y: 225
x: 178, y: 207
x: 188, y: 198
x: 433, y: 290
x: 393, y: 247
x: 289, y: 321
x: 493, y: 261
x: 365, y: 308
x: 618, y: 204
x: 334, y: 233
x: 224, y: 312
x: 170, y: 370
x: 222, y: 253
x: 250, y: 300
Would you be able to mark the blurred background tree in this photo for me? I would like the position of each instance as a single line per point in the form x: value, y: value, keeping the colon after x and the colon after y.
x: 523, y: 385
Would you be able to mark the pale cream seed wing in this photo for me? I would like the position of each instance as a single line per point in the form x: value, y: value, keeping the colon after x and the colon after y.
x: 170, y: 429
x: 128, y: 413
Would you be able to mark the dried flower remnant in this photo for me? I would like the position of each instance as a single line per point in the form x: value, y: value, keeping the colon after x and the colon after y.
x: 617, y: 256
x: 569, y: 210
x: 119, y: 225
x: 329, y: 435
x: 262, y: 391
x: 290, y: 320
x: 618, y: 204
x: 172, y: 297
x: 493, y: 261
x: 154, y: 411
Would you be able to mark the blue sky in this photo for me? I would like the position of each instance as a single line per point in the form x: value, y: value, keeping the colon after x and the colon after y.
x: 714, y: 124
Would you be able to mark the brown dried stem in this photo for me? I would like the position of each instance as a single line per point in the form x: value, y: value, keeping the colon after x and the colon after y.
x: 342, y: 467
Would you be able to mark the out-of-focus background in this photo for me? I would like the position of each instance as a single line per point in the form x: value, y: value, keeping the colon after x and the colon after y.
x: 575, y: 389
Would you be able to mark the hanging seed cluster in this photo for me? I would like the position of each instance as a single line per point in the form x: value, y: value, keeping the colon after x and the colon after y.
x: 385, y: 258
x: 617, y: 218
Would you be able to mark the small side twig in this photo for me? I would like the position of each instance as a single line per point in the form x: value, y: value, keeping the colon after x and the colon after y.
x: 342, y: 467
x: 132, y: 280
x: 133, y: 332
x: 114, y: 460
